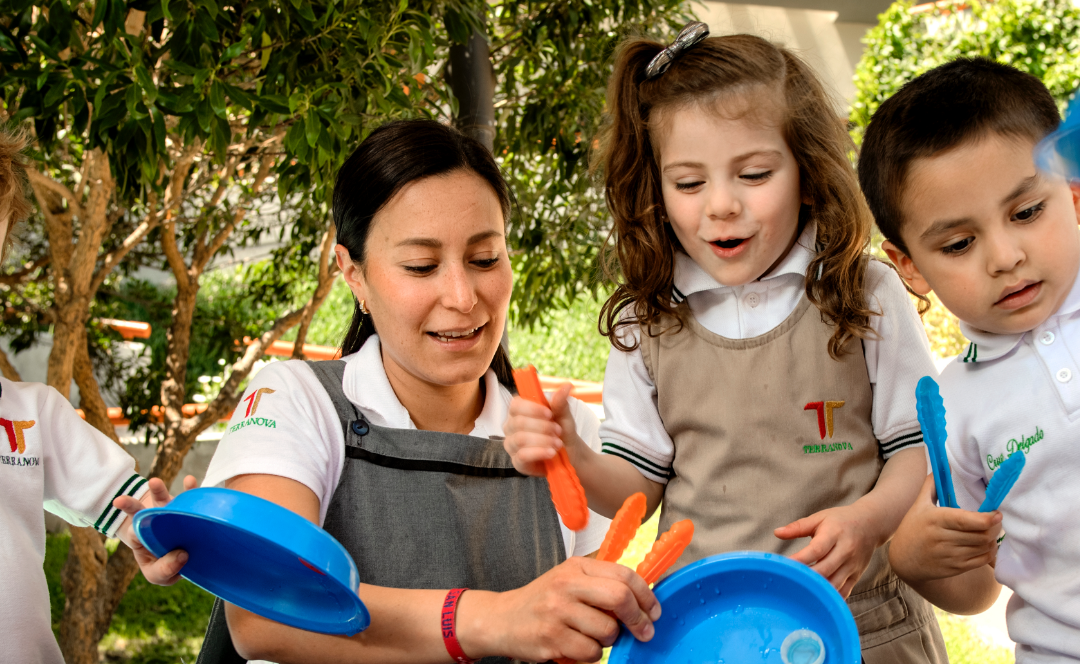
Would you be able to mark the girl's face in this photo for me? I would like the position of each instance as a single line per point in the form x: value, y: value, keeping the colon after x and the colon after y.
x: 436, y: 279
x: 731, y: 191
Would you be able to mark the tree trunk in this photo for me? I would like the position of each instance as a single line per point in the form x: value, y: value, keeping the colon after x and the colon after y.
x: 472, y: 80
x: 83, y: 578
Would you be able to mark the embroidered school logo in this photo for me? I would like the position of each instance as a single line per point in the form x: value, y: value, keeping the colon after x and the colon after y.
x: 253, y: 407
x: 824, y: 411
x: 15, y: 433
x: 824, y: 415
x: 253, y: 400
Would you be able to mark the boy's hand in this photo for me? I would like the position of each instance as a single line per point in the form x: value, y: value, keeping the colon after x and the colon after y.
x: 160, y: 571
x: 940, y: 542
x: 843, y: 540
x: 535, y: 433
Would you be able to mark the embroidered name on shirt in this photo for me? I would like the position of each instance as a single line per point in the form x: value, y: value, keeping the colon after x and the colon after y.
x: 254, y: 421
x: 831, y: 447
x: 1021, y: 443
x: 19, y: 460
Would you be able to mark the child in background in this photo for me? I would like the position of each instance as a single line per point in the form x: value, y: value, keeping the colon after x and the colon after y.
x: 762, y: 377
x: 948, y: 170
x: 50, y: 457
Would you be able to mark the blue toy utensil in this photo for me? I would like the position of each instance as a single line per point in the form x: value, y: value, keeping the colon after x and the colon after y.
x: 931, y: 413
x: 740, y: 607
x: 1059, y: 153
x: 260, y: 557
x: 1002, y: 481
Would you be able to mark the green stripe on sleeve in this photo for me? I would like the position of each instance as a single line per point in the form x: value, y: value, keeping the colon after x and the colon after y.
x: 639, y: 461
x: 116, y: 512
x: 109, y: 508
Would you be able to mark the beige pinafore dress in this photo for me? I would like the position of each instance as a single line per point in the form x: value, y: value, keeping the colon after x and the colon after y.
x: 769, y: 430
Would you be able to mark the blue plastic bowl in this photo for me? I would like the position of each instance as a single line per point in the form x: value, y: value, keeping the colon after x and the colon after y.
x: 260, y: 557
x: 1059, y: 152
x: 739, y: 607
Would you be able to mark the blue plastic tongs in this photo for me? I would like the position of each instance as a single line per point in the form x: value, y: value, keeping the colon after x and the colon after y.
x: 931, y: 412
x: 1003, y: 480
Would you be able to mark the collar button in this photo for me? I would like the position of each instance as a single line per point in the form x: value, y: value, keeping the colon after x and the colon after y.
x: 1047, y: 338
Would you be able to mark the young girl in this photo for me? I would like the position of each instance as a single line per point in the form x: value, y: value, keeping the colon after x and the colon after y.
x: 764, y: 367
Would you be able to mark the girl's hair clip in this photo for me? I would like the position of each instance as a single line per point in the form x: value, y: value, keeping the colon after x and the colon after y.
x: 693, y: 33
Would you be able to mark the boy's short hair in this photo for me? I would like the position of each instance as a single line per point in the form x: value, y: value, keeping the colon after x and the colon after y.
x: 14, y: 207
x: 944, y: 108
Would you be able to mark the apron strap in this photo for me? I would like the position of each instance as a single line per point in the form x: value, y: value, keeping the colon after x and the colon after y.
x: 331, y: 373
x: 217, y: 647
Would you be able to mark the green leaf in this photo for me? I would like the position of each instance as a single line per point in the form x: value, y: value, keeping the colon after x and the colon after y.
x: 205, y: 114
x: 266, y: 50
x: 312, y: 127
x: 217, y: 98
x: 233, y: 51
x: 147, y: 83
x: 100, y: 7
x: 165, y: 10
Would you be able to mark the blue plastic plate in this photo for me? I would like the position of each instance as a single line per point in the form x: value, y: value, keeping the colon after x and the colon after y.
x: 739, y: 607
x: 260, y: 557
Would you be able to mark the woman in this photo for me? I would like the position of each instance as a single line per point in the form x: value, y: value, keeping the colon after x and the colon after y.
x: 396, y: 450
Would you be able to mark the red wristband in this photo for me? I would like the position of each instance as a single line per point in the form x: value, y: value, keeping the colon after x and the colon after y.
x: 449, y: 634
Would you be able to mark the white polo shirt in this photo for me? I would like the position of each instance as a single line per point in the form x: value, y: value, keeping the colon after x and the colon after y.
x: 48, y: 457
x: 896, y: 358
x: 1021, y: 392
x: 294, y: 430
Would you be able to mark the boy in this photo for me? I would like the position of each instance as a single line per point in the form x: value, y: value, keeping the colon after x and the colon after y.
x: 49, y: 456
x: 947, y: 168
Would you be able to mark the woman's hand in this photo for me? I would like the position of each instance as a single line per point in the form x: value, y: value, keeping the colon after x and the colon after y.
x: 163, y: 571
x: 560, y: 614
x: 843, y: 541
x: 535, y: 433
x: 940, y: 542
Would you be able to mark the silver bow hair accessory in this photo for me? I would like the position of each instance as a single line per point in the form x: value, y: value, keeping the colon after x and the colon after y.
x: 694, y: 32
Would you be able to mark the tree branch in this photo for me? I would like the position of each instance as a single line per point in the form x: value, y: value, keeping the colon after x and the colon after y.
x: 8, y: 369
x: 228, y: 396
x: 328, y: 271
x: 16, y: 278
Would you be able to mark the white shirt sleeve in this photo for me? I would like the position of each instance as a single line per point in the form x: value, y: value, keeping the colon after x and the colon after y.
x: 588, y: 427
x: 284, y: 425
x: 895, y: 360
x: 84, y: 469
x: 632, y: 428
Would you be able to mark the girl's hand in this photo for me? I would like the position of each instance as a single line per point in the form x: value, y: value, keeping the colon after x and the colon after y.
x: 940, y: 542
x: 534, y: 433
x: 163, y: 571
x: 560, y: 614
x: 843, y: 540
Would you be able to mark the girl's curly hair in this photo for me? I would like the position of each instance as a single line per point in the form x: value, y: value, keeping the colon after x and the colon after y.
x: 719, y: 72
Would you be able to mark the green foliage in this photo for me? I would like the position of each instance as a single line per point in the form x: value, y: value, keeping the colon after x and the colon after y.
x: 1040, y: 37
x: 152, y: 625
x: 552, y: 61
x: 227, y: 310
x: 564, y: 343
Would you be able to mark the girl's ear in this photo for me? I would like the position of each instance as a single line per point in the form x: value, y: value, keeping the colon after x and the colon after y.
x: 906, y: 267
x: 351, y: 272
x: 1074, y: 186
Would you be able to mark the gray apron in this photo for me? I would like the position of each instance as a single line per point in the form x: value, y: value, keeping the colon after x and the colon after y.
x: 423, y: 509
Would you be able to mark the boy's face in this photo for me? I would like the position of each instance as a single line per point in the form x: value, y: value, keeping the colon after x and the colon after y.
x: 995, y: 239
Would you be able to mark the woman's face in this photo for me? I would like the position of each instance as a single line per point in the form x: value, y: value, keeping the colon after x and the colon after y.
x: 436, y: 279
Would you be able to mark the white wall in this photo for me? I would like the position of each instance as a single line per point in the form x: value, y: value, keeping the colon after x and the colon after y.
x: 832, y: 48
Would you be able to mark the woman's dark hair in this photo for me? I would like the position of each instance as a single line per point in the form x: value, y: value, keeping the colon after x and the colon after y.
x: 391, y: 157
